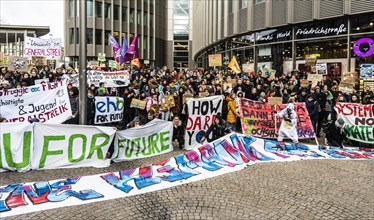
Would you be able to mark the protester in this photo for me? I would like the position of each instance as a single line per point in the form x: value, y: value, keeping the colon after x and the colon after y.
x: 74, y: 103
x: 288, y: 125
x: 178, y: 133
x: 218, y: 129
x: 335, y: 133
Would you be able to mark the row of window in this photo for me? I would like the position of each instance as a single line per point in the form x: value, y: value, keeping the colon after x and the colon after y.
x: 242, y: 4
x: 108, y: 12
x: 74, y: 39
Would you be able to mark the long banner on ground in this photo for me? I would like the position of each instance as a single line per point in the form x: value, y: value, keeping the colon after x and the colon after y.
x: 201, y: 114
x: 110, y: 79
x: 42, y: 146
x: 358, y: 120
x: 152, y: 139
x: 48, y: 102
x: 228, y: 154
x: 258, y: 119
x: 108, y: 109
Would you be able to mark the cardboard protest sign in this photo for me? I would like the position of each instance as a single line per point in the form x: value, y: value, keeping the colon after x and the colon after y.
x: 48, y: 48
x: 3, y: 59
x: 310, y: 63
x: 93, y: 63
x: 48, y: 102
x: 304, y: 83
x: 71, y: 146
x: 215, y: 60
x: 275, y: 100
x: 201, y: 114
x: 18, y: 63
x: 366, y: 71
x: 315, y: 78
x: 101, y: 57
x: 108, y: 109
x: 230, y: 153
x: 321, y: 68
x: 186, y: 97
x: 152, y: 139
x: 112, y: 64
x: 248, y: 68
x: 167, y: 102
x: 258, y: 119
x: 348, y: 82
x: 16, y: 146
x: 137, y: 103
x: 233, y: 82
x: 38, y: 61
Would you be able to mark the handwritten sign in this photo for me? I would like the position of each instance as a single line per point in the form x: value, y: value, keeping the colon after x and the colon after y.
x: 137, y: 103
x: 48, y: 48
x: 215, y: 59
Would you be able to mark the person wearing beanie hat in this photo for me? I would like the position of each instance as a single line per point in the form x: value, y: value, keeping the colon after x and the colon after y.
x: 335, y: 133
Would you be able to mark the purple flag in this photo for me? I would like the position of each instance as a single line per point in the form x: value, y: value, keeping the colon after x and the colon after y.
x: 132, y: 52
x: 123, y: 50
x: 117, y: 52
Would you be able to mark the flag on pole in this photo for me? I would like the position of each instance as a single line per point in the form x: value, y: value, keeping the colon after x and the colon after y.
x: 123, y: 50
x: 234, y: 66
x: 113, y: 43
x: 132, y: 52
x: 136, y: 62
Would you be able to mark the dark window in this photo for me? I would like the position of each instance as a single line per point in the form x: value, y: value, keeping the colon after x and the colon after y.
x: 107, y: 37
x: 116, y: 12
x: 107, y: 10
x: 132, y: 15
x: 98, y: 37
x: 77, y: 36
x: 362, y: 23
x: 89, y: 36
x: 98, y: 9
x: 71, y: 36
x: 124, y: 13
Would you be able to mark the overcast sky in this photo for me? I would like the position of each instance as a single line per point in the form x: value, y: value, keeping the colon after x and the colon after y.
x: 35, y: 12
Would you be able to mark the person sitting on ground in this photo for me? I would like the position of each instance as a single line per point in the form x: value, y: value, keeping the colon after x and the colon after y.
x: 335, y: 133
x: 218, y: 128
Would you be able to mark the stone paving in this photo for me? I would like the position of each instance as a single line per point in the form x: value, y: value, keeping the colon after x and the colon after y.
x: 312, y: 189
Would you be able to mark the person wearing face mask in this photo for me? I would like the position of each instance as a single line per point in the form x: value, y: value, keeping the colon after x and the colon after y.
x: 335, y: 133
x: 288, y: 126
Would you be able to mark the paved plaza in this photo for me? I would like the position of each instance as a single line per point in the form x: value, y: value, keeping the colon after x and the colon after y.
x: 310, y: 189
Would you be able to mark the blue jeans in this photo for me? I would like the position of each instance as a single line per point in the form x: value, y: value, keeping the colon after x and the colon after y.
x: 232, y: 127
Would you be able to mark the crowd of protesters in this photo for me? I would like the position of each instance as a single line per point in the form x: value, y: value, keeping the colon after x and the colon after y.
x: 151, y: 85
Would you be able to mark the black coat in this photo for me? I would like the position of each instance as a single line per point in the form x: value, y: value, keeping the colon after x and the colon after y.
x: 312, y: 110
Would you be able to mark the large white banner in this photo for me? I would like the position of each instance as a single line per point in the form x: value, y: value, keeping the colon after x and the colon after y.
x: 228, y: 154
x: 108, y: 109
x: 16, y: 146
x: 110, y: 79
x: 201, y: 114
x: 152, y: 139
x: 47, y: 102
x: 69, y: 146
x: 48, y: 48
x: 355, y: 114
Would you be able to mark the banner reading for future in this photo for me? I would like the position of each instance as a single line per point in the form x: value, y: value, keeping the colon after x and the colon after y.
x: 48, y: 102
x: 152, y: 139
x: 230, y: 153
x: 258, y: 119
x: 358, y: 120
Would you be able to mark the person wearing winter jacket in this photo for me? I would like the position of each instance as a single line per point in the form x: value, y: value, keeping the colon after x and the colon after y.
x: 178, y: 133
x: 90, y: 108
x: 335, y: 133
x: 288, y: 126
x: 74, y: 103
x: 232, y: 114
x: 312, y: 107
x: 218, y: 128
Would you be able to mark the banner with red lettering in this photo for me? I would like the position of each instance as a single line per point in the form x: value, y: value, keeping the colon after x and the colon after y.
x: 358, y: 121
x: 258, y: 119
x: 355, y: 114
x: 201, y: 114
x: 48, y: 102
x: 48, y: 48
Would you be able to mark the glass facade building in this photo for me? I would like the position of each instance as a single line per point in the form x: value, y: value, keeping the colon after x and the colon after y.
x: 279, y: 33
